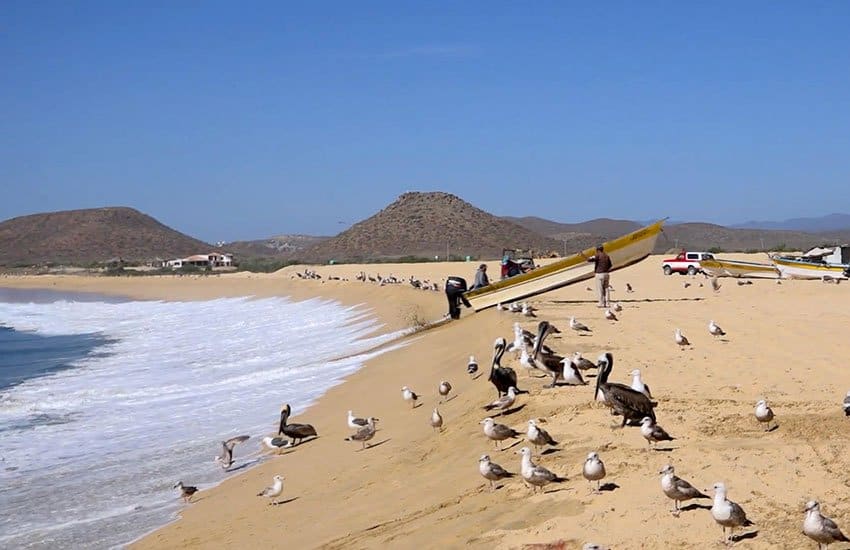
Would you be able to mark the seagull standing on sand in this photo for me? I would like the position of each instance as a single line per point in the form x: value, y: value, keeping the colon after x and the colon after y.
x: 186, y: 491
x: 764, y: 413
x: 715, y: 330
x: 436, y: 421
x: 610, y: 315
x: 527, y: 310
x: 503, y: 403
x: 820, y: 528
x: 491, y: 471
x: 528, y: 361
x: 617, y: 307
x: 715, y: 284
x: 274, y: 490
x: 581, y: 363
x: 536, y: 476
x: 681, y: 340
x: 444, y: 388
x: 846, y: 404
x: 365, y: 433
x: 408, y: 395
x: 225, y: 459
x: 537, y: 436
x: 638, y: 385
x: 578, y: 327
x: 593, y: 470
x: 727, y: 513
x: 355, y: 423
x: 472, y: 366
x: 652, y: 432
x: 571, y: 375
x: 276, y: 443
x: 497, y: 432
x: 677, y: 489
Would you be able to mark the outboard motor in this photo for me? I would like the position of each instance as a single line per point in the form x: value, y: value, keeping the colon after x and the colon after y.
x: 455, y: 287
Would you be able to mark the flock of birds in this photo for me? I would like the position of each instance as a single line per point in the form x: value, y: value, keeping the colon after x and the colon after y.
x: 634, y: 403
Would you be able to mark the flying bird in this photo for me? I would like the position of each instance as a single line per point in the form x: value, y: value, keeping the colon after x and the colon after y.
x: 225, y: 459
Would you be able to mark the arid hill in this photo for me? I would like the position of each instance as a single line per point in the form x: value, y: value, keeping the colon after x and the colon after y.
x: 81, y: 237
x: 282, y: 246
x: 427, y: 225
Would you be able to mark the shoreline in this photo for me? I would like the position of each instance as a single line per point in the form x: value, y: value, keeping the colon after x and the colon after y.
x: 417, y: 487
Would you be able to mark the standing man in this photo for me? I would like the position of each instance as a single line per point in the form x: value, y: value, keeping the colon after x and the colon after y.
x: 455, y: 287
x: 602, y: 268
x: 481, y: 279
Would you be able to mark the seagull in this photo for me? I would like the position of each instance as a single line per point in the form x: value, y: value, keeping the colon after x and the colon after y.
x: 537, y: 436
x: 715, y: 330
x: 503, y: 403
x: 436, y: 421
x: 472, y: 366
x: 186, y: 491
x: 610, y: 315
x: 276, y: 443
x: 686, y: 285
x: 764, y: 413
x: 365, y: 433
x: 527, y: 310
x: 715, y: 284
x: 225, y: 459
x: 444, y: 388
x: 274, y: 490
x: 677, y: 489
x: 617, y: 307
x: 534, y: 475
x: 581, y: 363
x: 408, y: 395
x: 593, y: 470
x: 629, y: 288
x: 727, y: 513
x: 497, y: 432
x: 820, y: 528
x: 571, y: 375
x: 500, y: 307
x: 528, y: 361
x: 578, y: 327
x: 652, y: 432
x: 491, y: 471
x: 638, y: 385
x: 681, y: 339
x: 847, y: 404
x: 355, y: 423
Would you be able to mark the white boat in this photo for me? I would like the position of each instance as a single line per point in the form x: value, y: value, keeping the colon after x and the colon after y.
x: 623, y: 251
x: 719, y: 267
x: 817, y: 263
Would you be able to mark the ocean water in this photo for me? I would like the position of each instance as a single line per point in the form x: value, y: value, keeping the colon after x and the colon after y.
x: 105, y: 405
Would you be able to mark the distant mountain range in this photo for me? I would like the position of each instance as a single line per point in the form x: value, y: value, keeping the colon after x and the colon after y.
x: 422, y: 225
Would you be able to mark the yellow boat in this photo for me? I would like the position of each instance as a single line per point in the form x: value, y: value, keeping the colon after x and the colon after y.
x: 624, y: 251
x: 719, y: 267
x: 799, y: 268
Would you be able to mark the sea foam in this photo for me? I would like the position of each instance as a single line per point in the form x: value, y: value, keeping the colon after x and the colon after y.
x: 151, y: 406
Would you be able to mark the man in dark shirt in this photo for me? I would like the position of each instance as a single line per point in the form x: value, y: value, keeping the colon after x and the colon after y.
x: 602, y: 268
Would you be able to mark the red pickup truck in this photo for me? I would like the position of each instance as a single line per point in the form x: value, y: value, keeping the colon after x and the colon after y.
x: 685, y: 262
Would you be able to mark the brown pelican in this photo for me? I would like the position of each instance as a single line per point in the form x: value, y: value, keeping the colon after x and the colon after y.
x: 593, y: 470
x: 497, y: 432
x: 677, y: 489
x: 225, y: 459
x: 764, y: 413
x: 630, y: 404
x: 536, y: 476
x: 491, y: 471
x: 274, y: 490
x: 727, y: 513
x: 186, y: 491
x: 550, y: 364
x: 820, y: 528
x: 501, y: 377
x: 365, y: 433
x: 295, y: 432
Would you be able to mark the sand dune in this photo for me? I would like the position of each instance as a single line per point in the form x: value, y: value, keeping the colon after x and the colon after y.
x: 416, y: 488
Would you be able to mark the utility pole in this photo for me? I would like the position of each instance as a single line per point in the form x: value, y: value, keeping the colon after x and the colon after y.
x: 447, y: 251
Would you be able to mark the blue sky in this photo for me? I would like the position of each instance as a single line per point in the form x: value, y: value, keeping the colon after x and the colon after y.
x: 234, y: 120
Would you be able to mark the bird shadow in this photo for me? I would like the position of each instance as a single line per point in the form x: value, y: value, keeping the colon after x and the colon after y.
x: 746, y: 536
x: 512, y: 445
x: 773, y: 429
x: 512, y: 411
x: 416, y: 406
x: 373, y: 445
x: 694, y: 506
x: 550, y: 451
x: 287, y: 501
x: 477, y: 376
x: 608, y: 487
x: 664, y: 449
x: 448, y: 399
x: 557, y: 490
x: 241, y: 467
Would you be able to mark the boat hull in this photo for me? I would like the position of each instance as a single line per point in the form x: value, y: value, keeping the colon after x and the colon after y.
x: 735, y: 268
x: 623, y: 251
x: 791, y: 268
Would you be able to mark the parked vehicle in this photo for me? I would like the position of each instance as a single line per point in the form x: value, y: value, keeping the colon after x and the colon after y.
x: 515, y: 262
x: 685, y: 263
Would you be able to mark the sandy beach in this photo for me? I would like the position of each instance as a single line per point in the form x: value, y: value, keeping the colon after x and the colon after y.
x: 417, y: 488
